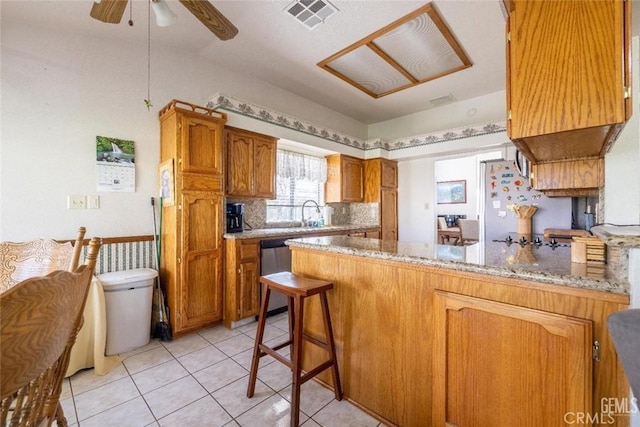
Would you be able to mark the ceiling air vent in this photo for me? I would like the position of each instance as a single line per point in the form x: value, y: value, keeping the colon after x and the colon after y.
x: 310, y: 13
x: 442, y: 100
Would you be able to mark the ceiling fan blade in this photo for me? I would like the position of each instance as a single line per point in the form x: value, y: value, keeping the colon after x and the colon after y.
x: 211, y: 18
x: 109, y: 11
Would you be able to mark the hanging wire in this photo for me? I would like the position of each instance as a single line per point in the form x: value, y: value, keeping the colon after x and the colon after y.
x: 131, y: 13
x: 147, y: 102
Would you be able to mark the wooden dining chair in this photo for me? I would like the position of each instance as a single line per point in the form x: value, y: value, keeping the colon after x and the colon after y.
x: 21, y: 260
x: 39, y: 319
x: 469, y: 231
x: 446, y: 233
x: 38, y: 258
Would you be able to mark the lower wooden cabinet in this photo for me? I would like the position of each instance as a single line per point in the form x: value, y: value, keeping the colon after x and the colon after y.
x: 242, y: 273
x: 498, y: 364
x: 194, y: 291
x: 242, y: 281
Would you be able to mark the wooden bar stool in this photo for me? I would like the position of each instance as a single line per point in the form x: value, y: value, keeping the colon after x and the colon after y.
x: 296, y: 289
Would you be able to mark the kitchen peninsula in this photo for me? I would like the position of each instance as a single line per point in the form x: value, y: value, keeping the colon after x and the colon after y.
x: 488, y: 334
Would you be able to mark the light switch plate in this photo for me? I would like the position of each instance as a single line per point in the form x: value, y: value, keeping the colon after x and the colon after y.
x: 76, y: 202
x: 93, y: 202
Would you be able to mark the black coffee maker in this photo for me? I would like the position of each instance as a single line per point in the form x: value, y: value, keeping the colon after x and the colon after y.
x: 235, y: 212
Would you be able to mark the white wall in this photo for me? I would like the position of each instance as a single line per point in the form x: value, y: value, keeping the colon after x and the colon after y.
x: 483, y: 109
x: 416, y: 218
x: 59, y: 92
x: 622, y: 163
x: 464, y: 168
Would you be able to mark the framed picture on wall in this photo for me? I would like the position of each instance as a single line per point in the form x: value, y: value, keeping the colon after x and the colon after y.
x: 452, y: 192
x: 165, y: 173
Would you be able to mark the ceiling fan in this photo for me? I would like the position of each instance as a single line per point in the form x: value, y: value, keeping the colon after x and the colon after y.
x: 111, y: 11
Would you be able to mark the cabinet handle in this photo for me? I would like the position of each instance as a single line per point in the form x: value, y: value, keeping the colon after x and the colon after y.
x: 596, y: 351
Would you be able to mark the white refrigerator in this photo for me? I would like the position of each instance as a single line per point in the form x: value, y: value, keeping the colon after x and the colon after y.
x: 505, y: 187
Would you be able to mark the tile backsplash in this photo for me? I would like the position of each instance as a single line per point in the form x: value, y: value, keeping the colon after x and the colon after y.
x: 255, y: 214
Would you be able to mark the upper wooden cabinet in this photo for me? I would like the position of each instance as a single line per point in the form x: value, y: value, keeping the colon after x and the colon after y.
x: 568, y: 76
x: 379, y: 173
x: 191, y: 266
x: 569, y: 178
x: 251, y: 164
x: 345, y: 179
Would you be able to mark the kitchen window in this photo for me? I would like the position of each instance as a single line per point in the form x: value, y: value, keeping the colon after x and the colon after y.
x: 299, y: 177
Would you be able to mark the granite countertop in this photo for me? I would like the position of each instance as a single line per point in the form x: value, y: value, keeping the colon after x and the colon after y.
x: 615, y: 235
x: 540, y: 264
x: 298, y: 231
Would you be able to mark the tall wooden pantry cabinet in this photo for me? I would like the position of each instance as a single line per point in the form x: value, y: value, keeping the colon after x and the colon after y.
x: 381, y: 186
x: 191, y: 264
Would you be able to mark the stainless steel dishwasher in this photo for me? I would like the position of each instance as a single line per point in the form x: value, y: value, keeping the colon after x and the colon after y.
x: 275, y: 257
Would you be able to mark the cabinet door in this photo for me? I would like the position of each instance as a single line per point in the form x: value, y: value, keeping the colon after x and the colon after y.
x: 265, y: 168
x: 389, y: 214
x: 568, y: 174
x: 352, y: 179
x: 389, y: 174
x: 200, y: 150
x: 249, y: 289
x: 497, y: 364
x: 568, y: 68
x: 201, y: 259
x: 240, y: 164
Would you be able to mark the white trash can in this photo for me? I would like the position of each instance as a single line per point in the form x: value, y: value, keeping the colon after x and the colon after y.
x: 128, y: 298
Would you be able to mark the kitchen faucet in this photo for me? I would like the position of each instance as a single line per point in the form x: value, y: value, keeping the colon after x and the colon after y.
x: 304, y: 222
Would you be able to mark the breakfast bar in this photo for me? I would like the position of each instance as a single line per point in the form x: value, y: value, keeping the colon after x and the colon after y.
x: 435, y: 334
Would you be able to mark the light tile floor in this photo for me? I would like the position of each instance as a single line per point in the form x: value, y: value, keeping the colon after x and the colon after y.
x: 201, y: 380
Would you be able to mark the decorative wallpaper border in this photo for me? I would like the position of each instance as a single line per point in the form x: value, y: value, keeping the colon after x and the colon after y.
x: 221, y: 101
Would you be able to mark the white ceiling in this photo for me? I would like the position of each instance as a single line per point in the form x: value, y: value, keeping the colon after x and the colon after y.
x: 272, y: 46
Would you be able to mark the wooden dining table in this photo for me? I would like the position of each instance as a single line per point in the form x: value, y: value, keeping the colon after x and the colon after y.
x: 446, y: 234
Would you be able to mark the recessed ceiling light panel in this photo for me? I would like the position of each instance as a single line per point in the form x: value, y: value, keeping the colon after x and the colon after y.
x: 369, y: 72
x: 311, y: 13
x: 414, y: 49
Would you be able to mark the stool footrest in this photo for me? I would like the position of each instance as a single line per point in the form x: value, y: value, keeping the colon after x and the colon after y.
x: 271, y: 352
x: 323, y: 345
x: 315, y: 371
x: 279, y: 346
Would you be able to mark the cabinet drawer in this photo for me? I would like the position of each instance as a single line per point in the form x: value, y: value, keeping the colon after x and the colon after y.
x: 198, y: 181
x: 249, y: 251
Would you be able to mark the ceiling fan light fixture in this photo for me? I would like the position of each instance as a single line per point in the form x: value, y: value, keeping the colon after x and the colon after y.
x: 164, y: 16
